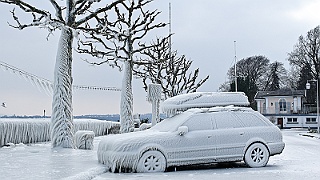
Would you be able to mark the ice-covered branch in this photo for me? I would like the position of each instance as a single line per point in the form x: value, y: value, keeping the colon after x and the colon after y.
x: 58, y: 10
x: 97, y: 12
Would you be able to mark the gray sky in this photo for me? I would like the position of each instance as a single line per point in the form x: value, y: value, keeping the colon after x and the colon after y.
x: 204, y: 30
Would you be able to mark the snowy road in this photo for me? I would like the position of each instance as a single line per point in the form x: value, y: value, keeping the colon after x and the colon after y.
x: 300, y: 160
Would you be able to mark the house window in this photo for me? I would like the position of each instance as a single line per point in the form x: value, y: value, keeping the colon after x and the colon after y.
x: 283, y: 105
x: 292, y: 120
x: 311, y: 120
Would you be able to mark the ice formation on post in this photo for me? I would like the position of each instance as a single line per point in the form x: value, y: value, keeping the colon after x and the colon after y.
x: 183, y: 102
x: 84, y: 139
x: 62, y: 117
x: 154, y: 96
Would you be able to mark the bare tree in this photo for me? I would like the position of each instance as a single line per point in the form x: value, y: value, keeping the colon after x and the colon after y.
x: 69, y: 16
x: 306, y: 52
x: 170, y: 71
x: 305, y: 58
x: 120, y: 38
x: 251, y: 72
x: 254, y: 68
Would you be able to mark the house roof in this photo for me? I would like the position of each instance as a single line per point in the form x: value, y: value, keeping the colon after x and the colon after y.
x: 280, y: 92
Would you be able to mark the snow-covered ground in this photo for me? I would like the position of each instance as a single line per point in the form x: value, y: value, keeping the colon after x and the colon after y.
x: 299, y: 160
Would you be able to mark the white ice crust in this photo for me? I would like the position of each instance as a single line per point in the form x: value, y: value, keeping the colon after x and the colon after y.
x: 38, y: 130
x: 84, y: 139
x: 203, y: 100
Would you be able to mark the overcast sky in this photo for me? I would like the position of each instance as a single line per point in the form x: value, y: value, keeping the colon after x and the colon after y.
x: 204, y: 30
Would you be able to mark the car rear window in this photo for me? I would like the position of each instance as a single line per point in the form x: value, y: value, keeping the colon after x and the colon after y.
x: 250, y: 119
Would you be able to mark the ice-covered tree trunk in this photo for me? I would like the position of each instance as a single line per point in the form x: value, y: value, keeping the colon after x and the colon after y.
x: 62, y: 117
x: 126, y: 104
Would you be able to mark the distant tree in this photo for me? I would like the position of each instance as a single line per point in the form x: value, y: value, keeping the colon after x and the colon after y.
x: 225, y: 87
x: 246, y: 86
x: 250, y: 72
x: 293, y: 76
x: 171, y: 71
x: 305, y: 74
x: 119, y: 38
x: 69, y: 16
x: 306, y: 53
x: 306, y: 57
x: 276, y: 77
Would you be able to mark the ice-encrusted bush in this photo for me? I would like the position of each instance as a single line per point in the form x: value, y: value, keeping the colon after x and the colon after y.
x: 38, y: 130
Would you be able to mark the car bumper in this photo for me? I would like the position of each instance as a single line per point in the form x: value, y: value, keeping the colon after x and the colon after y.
x: 276, y: 148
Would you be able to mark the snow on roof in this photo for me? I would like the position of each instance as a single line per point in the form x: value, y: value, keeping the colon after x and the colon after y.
x: 203, y: 100
x: 279, y: 92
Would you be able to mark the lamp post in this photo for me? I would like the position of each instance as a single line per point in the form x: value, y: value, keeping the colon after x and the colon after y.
x: 308, y: 87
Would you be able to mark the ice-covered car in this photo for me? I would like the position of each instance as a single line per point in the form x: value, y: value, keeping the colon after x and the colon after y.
x: 195, y: 136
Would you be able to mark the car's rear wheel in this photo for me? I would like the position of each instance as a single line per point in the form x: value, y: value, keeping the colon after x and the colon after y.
x: 152, y: 161
x: 257, y: 155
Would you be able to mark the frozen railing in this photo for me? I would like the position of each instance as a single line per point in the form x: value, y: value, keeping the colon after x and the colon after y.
x: 184, y: 102
x: 38, y: 130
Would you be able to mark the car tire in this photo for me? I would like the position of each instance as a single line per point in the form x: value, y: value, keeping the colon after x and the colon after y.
x: 257, y: 155
x: 151, y: 161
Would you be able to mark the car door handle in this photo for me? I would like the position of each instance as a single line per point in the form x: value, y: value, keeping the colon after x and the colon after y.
x: 241, y: 133
x: 209, y: 136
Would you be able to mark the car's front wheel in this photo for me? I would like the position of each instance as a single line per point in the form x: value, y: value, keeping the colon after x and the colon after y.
x: 152, y: 161
x: 257, y: 155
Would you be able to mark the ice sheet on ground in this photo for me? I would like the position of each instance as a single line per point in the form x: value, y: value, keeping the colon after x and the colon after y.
x: 300, y: 160
x: 39, y: 161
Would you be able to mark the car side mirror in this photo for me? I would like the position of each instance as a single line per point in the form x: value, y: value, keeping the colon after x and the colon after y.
x: 182, y: 130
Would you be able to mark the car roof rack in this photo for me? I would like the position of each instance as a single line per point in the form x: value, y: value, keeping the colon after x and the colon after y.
x: 184, y: 102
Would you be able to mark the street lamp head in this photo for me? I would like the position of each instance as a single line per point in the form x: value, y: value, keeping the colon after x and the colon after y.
x: 308, y: 85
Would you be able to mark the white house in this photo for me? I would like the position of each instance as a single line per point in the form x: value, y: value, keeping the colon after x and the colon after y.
x: 285, y: 108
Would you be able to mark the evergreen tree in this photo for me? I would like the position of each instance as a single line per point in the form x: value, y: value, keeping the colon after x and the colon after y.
x: 276, y: 77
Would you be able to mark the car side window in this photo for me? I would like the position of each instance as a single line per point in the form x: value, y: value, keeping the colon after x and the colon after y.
x: 199, y: 122
x: 225, y: 120
x: 250, y: 120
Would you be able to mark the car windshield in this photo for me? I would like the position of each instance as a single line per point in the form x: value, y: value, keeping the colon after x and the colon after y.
x: 171, y: 124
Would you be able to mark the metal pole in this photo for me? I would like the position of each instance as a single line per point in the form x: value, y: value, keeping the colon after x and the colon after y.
x: 235, y: 67
x: 318, y: 105
x: 170, y: 30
